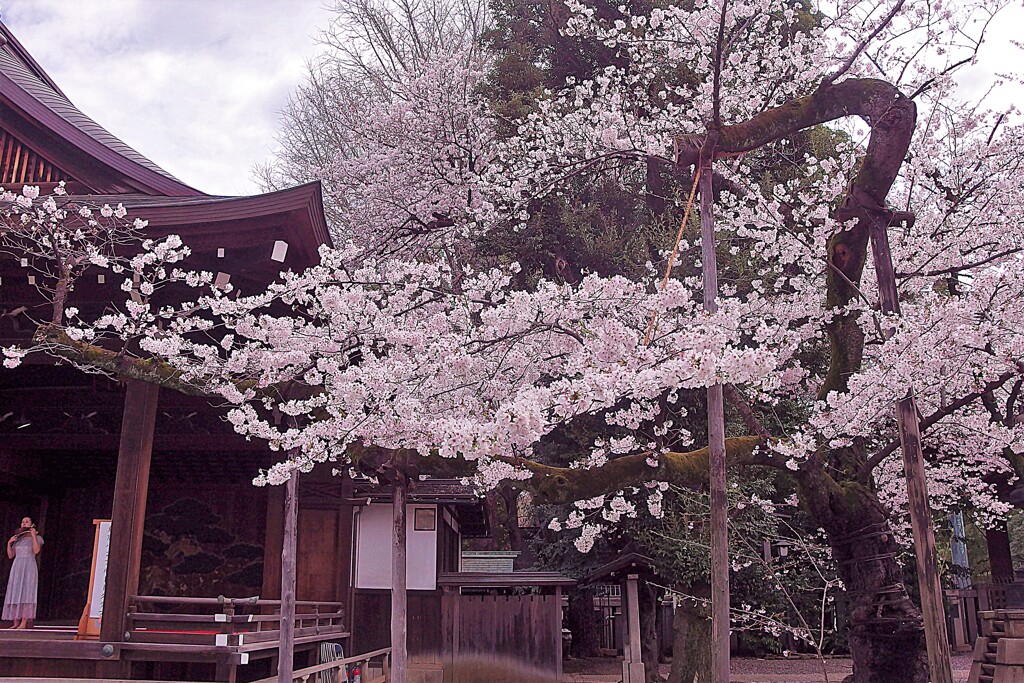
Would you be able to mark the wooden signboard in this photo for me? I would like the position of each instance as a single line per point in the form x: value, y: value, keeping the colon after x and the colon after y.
x: 92, y: 615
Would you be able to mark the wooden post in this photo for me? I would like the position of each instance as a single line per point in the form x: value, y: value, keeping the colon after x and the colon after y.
x: 131, y: 486
x: 399, y: 570
x: 558, y: 630
x: 286, y: 644
x: 716, y: 438
x: 633, y: 661
x: 936, y: 638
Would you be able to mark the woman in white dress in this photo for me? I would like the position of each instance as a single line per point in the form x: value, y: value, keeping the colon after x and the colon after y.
x: 22, y: 586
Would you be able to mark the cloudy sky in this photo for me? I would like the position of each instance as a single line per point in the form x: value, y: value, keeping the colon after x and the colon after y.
x: 196, y: 85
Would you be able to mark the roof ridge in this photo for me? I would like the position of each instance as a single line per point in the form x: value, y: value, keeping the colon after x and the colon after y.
x: 15, y: 48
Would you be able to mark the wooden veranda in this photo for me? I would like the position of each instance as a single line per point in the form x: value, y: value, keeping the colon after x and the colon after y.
x: 227, y: 633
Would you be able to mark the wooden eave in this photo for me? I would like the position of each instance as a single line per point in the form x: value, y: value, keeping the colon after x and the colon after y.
x: 18, y: 50
x: 630, y: 563
x: 206, y: 222
x: 135, y: 175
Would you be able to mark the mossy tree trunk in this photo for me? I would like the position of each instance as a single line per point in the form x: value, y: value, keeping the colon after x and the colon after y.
x: 691, y: 648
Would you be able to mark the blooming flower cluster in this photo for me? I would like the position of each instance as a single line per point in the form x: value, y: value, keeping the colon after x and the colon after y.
x: 390, y: 343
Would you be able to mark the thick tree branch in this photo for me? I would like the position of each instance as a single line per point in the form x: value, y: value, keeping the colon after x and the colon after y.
x: 552, y: 484
x: 53, y: 341
x: 565, y: 485
x: 879, y: 103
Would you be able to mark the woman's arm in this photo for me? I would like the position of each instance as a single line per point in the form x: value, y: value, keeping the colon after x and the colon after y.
x: 10, y: 547
x: 36, y: 544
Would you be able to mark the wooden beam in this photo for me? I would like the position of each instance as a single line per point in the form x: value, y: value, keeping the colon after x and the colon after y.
x: 131, y: 486
x: 716, y: 439
x: 399, y: 571
x: 286, y: 654
x: 930, y: 586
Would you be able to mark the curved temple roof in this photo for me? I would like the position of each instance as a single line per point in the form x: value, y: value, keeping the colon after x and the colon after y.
x: 43, y: 121
x: 26, y: 87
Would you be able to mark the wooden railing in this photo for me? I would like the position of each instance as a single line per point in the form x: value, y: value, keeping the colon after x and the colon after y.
x: 964, y: 607
x: 233, y: 622
x: 381, y: 671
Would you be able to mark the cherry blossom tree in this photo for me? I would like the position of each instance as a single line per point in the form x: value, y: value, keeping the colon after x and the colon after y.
x: 392, y: 122
x: 399, y: 359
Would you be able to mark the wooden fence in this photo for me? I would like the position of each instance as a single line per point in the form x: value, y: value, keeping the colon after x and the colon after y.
x: 499, y: 638
x: 964, y: 607
x: 375, y: 667
x: 243, y: 623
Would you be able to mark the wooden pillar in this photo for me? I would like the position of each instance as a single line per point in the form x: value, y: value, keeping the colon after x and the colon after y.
x: 286, y: 645
x: 716, y: 437
x: 932, y: 607
x: 273, y: 541
x: 632, y: 664
x: 131, y: 485
x: 399, y: 582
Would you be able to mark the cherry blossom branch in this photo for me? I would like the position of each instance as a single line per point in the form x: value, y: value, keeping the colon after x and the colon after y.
x: 53, y: 341
x: 829, y: 80
x: 939, y: 414
x: 745, y: 411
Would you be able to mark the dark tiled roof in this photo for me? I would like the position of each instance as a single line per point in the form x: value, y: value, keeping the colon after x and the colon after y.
x: 25, y: 82
x: 425, y: 491
x: 629, y: 563
x: 503, y: 580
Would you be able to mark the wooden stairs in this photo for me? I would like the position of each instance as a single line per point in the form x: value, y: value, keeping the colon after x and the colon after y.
x: 999, y: 650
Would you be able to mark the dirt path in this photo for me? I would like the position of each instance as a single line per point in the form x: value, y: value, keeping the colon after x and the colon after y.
x: 606, y: 670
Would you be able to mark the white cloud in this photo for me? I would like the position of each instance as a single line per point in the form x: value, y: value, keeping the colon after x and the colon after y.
x: 194, y: 85
x: 997, y: 56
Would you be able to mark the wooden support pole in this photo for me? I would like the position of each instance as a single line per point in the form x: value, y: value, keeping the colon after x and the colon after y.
x: 399, y: 582
x: 131, y: 487
x: 633, y: 664
x: 930, y: 586
x: 716, y: 437
x: 286, y: 644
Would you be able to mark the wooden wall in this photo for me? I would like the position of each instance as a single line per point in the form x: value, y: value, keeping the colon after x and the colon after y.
x: 324, y: 540
x: 202, y: 539
x: 371, y: 624
x: 502, y: 638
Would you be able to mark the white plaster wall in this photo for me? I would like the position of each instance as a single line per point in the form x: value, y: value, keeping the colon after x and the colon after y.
x: 373, y: 549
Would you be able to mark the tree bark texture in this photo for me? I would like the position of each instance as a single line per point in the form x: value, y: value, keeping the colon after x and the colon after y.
x: 691, y: 648
x: 886, y: 633
x: 1000, y: 561
x: 649, y: 645
x: 584, y: 622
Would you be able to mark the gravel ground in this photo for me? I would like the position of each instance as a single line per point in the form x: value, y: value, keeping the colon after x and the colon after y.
x: 608, y: 670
